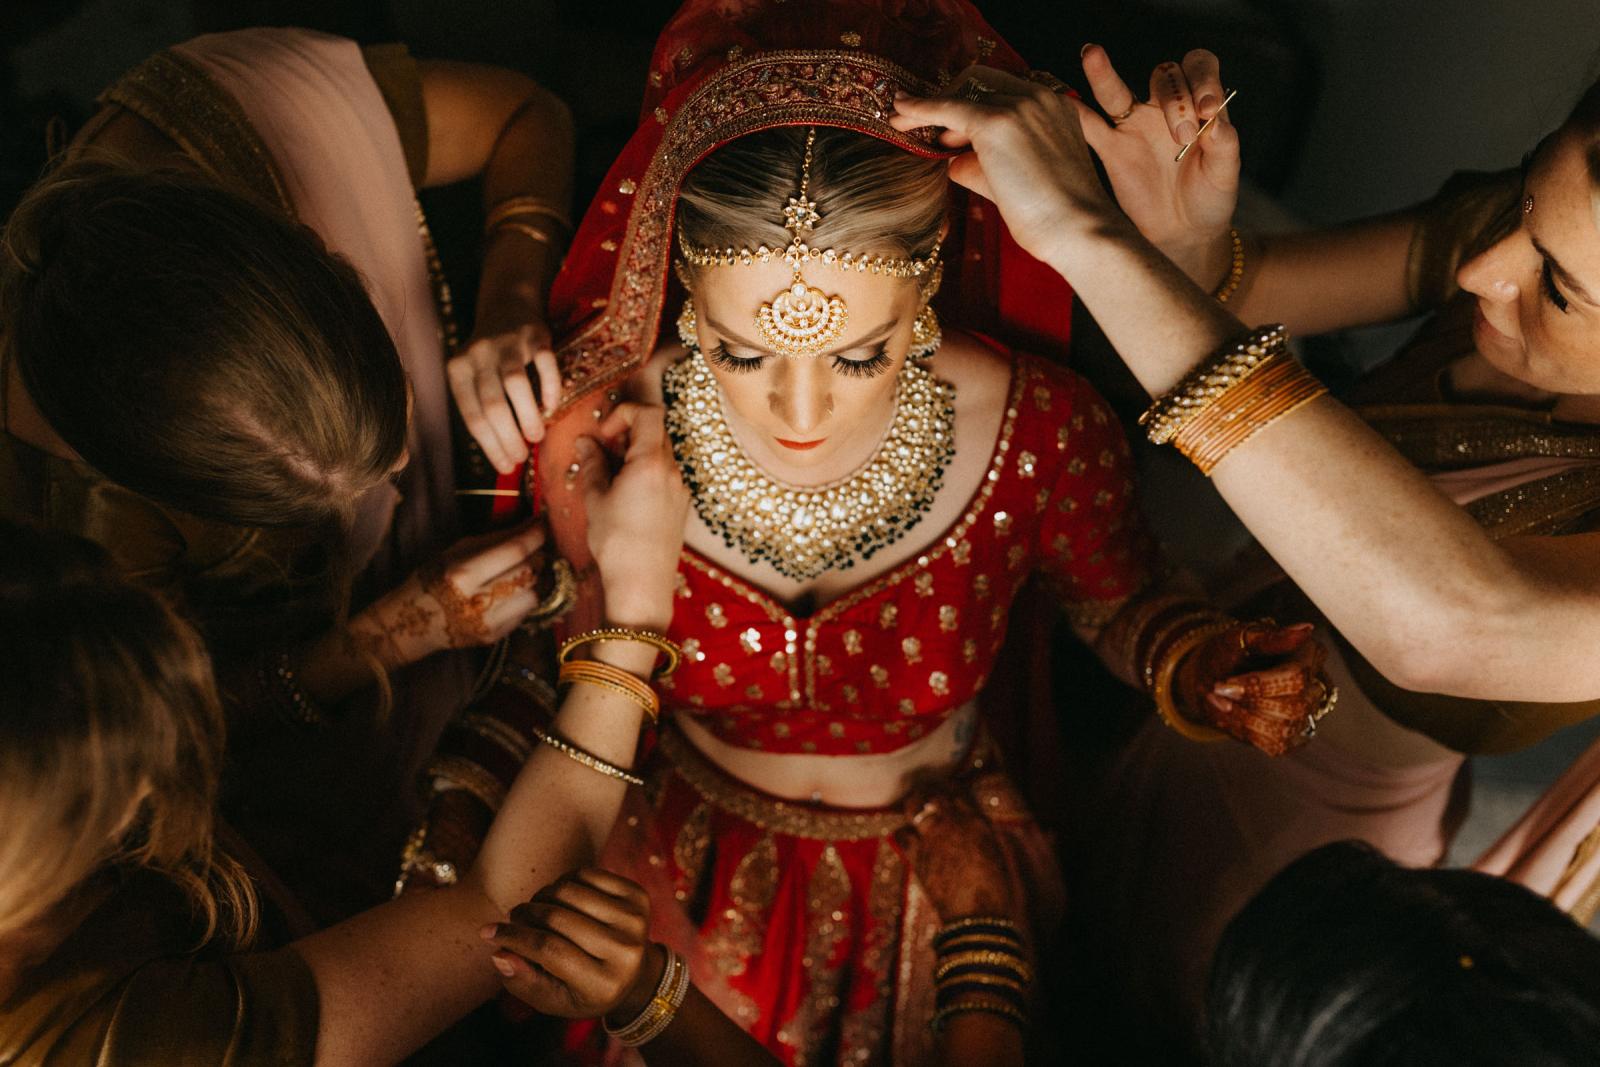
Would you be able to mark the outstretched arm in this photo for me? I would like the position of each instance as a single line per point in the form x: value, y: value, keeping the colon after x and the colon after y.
x: 1407, y: 576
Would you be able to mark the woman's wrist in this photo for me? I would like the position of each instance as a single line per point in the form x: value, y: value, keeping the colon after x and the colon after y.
x: 643, y: 990
x: 1207, y: 261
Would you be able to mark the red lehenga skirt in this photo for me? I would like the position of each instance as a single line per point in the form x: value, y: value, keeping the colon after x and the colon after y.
x: 803, y: 922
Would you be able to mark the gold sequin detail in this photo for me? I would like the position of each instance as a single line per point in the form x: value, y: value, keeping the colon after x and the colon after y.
x: 939, y: 682
x: 850, y: 39
x: 880, y: 677
x: 947, y: 618
x: 750, y: 640
x: 889, y: 616
x: 912, y: 647
x: 1027, y: 464
x: 852, y: 642
x: 716, y: 616
x: 627, y: 187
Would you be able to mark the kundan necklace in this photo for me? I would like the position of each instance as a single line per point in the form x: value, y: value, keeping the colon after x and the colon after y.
x: 805, y: 530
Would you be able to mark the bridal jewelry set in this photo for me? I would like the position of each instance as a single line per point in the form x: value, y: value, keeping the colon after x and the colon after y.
x: 803, y: 531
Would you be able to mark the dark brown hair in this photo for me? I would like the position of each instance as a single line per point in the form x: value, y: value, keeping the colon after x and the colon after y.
x: 111, y: 739
x: 199, y: 348
x: 874, y: 197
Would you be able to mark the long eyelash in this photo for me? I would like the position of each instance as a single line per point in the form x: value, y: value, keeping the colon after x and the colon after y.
x: 738, y: 364
x: 1550, y: 289
x: 863, y: 368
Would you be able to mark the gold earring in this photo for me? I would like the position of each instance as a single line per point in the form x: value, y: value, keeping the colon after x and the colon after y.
x: 688, y: 326
x: 925, y: 334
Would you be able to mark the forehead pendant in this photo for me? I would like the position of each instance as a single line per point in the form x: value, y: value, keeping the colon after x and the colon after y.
x: 801, y: 320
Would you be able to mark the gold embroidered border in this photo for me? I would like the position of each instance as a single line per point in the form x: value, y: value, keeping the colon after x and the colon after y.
x: 1455, y: 436
x: 771, y: 89
x: 180, y: 99
x: 1543, y: 506
x: 769, y: 813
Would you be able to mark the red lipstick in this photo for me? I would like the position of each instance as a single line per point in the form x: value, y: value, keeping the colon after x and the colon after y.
x: 800, y: 446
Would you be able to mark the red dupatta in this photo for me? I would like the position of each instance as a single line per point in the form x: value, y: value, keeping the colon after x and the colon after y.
x: 723, y: 69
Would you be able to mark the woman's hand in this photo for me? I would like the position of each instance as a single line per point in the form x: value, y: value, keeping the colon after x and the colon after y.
x: 475, y: 594
x: 1028, y: 156
x: 957, y: 854
x: 494, y: 393
x: 580, y: 948
x: 1183, y: 208
x: 1259, y: 683
x: 636, y: 517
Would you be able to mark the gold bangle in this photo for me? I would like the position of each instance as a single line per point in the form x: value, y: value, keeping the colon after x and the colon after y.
x: 1230, y: 284
x: 1161, y: 690
x: 977, y: 939
x: 589, y: 760
x: 415, y: 859
x: 606, y: 676
x: 987, y: 959
x: 525, y: 205
x: 992, y: 1007
x: 530, y: 231
x: 1278, y: 387
x: 950, y: 929
x: 657, y: 641
x: 1001, y: 981
x: 1203, y: 385
x: 663, y: 1007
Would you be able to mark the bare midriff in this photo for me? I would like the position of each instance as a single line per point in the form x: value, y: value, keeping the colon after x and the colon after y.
x: 877, y: 780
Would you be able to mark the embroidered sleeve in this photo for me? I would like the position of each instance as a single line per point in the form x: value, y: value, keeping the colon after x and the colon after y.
x: 1094, y: 551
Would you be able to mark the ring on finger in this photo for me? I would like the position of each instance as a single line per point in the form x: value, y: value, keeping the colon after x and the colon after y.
x: 1118, y: 120
x: 923, y: 814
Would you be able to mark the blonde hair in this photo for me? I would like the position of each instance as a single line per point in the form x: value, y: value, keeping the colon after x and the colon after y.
x: 874, y: 198
x: 111, y: 740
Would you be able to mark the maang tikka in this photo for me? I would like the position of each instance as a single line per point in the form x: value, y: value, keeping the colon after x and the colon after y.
x: 802, y: 320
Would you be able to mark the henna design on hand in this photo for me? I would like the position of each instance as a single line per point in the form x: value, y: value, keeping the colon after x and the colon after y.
x: 463, y: 615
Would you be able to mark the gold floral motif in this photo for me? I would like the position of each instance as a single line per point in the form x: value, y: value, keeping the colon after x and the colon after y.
x: 924, y: 584
x: 981, y: 586
x: 939, y: 682
x: 1041, y: 500
x: 608, y: 245
x: 836, y: 729
x: 627, y: 187
x: 655, y: 78
x: 1104, y: 498
x: 716, y: 616
x: 852, y: 642
x: 691, y: 650
x: 851, y: 694
x: 997, y: 615
x: 948, y: 616
x: 962, y: 553
x: 825, y: 665
x: 863, y: 1034
x: 1108, y: 458
x: 827, y: 926
x: 1002, y: 523
x: 739, y: 933
x: 780, y: 729
x: 912, y: 647
x: 750, y: 640
x: 1015, y: 555
x: 880, y: 677
x: 1076, y: 466
x: 969, y: 650
x: 681, y: 586
x: 723, y: 674
x: 779, y: 662
x: 661, y: 115
x: 1061, y: 547
x: 1061, y: 438
x: 754, y: 692
x: 906, y: 706
x: 691, y: 849
x: 850, y: 38
x: 1027, y: 464
x: 889, y: 616
x: 1067, y: 505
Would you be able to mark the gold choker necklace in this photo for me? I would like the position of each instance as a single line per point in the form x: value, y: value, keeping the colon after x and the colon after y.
x: 805, y: 530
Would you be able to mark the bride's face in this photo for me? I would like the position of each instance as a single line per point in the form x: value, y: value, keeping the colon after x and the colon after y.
x: 806, y: 413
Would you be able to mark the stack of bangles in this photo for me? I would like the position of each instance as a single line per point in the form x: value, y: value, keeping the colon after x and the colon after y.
x: 981, y: 965
x: 532, y: 217
x: 1170, y: 629
x: 1225, y: 401
x: 663, y: 1007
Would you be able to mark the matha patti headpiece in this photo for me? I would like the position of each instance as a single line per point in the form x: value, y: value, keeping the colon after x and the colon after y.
x: 802, y: 320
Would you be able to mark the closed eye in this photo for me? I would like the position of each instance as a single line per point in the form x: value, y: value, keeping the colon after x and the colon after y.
x: 1550, y: 291
x: 871, y: 367
x: 738, y: 364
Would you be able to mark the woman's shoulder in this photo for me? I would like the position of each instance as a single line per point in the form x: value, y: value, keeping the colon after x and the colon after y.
x: 994, y: 373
